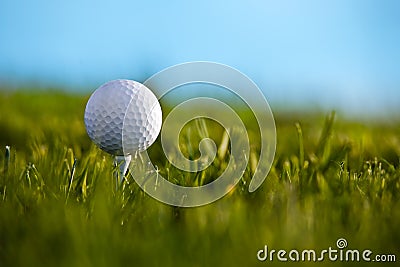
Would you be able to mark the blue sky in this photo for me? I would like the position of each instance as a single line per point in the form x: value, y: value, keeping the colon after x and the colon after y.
x: 335, y: 54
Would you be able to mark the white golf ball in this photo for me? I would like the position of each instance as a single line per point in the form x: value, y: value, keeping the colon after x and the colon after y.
x: 123, y: 116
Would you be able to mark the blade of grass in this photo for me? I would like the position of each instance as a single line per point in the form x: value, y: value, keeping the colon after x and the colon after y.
x: 71, y: 179
x: 7, y: 159
x: 301, y: 145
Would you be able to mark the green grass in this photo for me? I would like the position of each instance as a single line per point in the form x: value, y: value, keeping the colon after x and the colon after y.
x: 331, y: 178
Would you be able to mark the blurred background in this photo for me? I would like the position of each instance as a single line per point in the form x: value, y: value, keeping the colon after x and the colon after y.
x: 325, y: 55
x: 335, y: 176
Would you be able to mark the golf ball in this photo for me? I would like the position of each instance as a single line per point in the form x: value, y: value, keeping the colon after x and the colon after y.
x: 123, y: 116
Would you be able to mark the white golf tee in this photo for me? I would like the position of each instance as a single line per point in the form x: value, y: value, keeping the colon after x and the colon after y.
x: 123, y: 163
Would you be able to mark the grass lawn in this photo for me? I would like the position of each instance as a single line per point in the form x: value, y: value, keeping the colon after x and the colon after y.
x: 332, y: 178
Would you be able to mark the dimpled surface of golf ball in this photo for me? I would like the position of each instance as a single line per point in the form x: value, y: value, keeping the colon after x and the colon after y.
x: 122, y: 117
